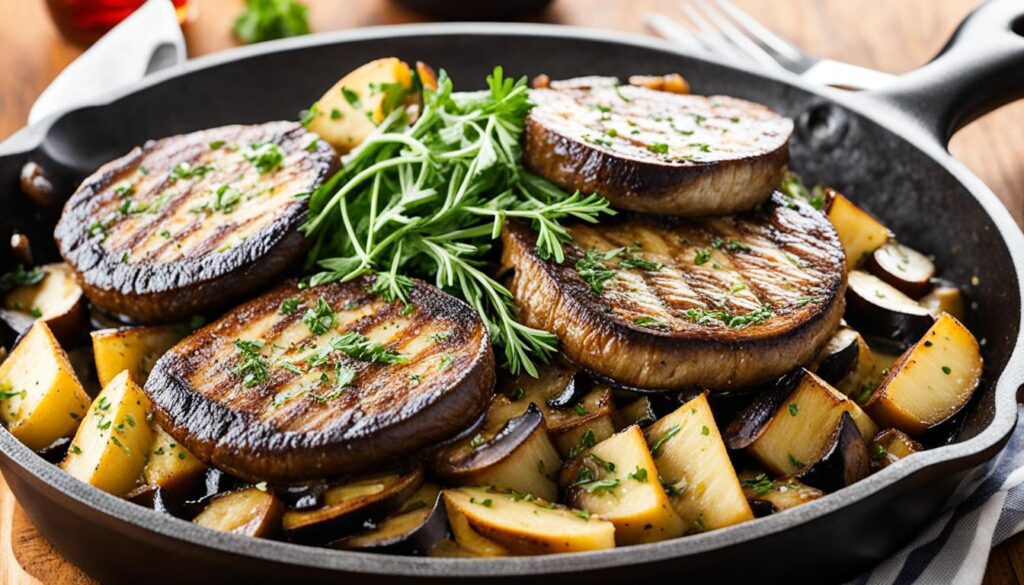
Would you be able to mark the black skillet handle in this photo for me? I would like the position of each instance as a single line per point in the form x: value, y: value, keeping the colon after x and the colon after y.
x: 980, y: 68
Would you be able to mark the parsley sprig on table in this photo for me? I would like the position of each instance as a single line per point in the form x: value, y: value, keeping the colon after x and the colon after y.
x: 428, y: 198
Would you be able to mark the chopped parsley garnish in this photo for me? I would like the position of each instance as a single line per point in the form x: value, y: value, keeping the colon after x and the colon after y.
x: 580, y: 409
x: 253, y: 366
x: 351, y: 97
x: 582, y: 514
x: 946, y: 370
x: 265, y: 156
x: 75, y: 449
x: 21, y: 277
x: 290, y: 367
x: 361, y: 348
x: 216, y: 144
x: 313, y: 145
x: 306, y: 117
x: 593, y: 271
x: 185, y: 170
x: 878, y: 452
x: 800, y: 302
x: 650, y: 323
x: 796, y: 462
x: 761, y: 484
x: 601, y: 485
x: 704, y: 430
x: 793, y: 409
x: 446, y: 361
x: 289, y: 306
x: 319, y: 319
x: 477, y: 441
x: 730, y: 319
x: 439, y: 336
x: 795, y: 189
x: 343, y: 376
x: 639, y: 474
x: 587, y: 440
x: 658, y: 148
x: 335, y: 114
x: 702, y: 256
x: 657, y: 445
x: 517, y: 394
x: 124, y: 190
x: 598, y: 461
x: 634, y: 261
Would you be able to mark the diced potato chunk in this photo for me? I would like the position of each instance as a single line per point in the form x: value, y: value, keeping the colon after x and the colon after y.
x: 352, y: 108
x: 860, y: 233
x: 801, y: 429
x: 945, y: 299
x: 692, y: 459
x: 470, y: 540
x: 526, y: 527
x: 249, y: 512
x: 56, y: 299
x: 171, y: 466
x: 135, y: 349
x: 109, y: 451
x: 617, y: 480
x: 931, y: 381
x: 41, y: 400
x: 890, y: 446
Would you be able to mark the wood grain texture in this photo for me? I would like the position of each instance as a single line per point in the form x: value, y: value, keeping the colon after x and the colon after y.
x: 893, y: 37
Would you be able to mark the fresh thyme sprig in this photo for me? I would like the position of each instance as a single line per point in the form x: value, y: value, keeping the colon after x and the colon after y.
x: 427, y: 199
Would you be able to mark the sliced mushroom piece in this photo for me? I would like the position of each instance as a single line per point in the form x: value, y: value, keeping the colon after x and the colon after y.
x: 347, y: 506
x: 251, y: 512
x: 55, y: 299
x: 768, y: 496
x: 518, y: 457
x: 840, y: 356
x: 945, y: 298
x: 526, y: 526
x: 417, y: 527
x: 640, y: 412
x: 788, y: 432
x: 846, y: 461
x: 693, y: 462
x: 860, y: 233
x: 891, y: 445
x: 931, y: 381
x: 903, y: 267
x: 874, y: 307
x: 586, y: 421
x: 617, y: 480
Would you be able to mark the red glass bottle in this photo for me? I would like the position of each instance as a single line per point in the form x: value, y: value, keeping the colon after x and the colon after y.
x: 85, y: 21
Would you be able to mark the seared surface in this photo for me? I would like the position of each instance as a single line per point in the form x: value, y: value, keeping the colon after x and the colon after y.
x: 737, y: 300
x: 658, y: 152
x: 192, y: 222
x: 298, y: 423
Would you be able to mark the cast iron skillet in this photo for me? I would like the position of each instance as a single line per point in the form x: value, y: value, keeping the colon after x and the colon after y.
x: 887, y: 150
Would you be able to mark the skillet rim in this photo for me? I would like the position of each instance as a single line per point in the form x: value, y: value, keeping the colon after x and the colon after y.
x: 969, y: 453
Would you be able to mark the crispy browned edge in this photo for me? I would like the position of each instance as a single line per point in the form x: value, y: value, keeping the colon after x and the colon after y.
x: 186, y: 287
x: 651, y: 186
x: 565, y: 306
x: 250, y: 449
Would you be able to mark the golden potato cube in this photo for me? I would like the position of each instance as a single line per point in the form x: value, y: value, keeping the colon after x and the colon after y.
x: 41, y: 400
x: 110, y: 448
x: 135, y: 349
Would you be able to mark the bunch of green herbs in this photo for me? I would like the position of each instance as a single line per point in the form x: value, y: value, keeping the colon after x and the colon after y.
x: 426, y: 197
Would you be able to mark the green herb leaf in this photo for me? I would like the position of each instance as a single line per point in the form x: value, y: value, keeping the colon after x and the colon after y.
x: 21, y: 277
x: 657, y: 445
x: 761, y: 484
x: 264, y: 20
x: 253, y: 366
x: 319, y: 319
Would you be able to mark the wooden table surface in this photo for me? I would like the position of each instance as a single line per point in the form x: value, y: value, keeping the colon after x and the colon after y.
x: 893, y: 37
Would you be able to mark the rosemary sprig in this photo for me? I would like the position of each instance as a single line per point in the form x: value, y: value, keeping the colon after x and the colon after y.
x: 427, y: 198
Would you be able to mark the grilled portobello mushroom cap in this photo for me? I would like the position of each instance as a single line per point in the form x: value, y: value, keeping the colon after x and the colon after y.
x: 188, y: 223
x: 658, y: 152
x: 671, y: 303
x: 326, y: 381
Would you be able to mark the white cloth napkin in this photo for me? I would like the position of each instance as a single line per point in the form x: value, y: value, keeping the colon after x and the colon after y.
x: 983, y: 512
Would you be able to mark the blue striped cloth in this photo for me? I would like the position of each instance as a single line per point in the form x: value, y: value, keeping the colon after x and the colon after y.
x: 984, y: 511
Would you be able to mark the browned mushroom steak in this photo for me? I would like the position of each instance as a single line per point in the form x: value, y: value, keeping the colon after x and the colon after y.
x: 326, y: 381
x: 666, y: 303
x: 658, y: 152
x: 188, y: 223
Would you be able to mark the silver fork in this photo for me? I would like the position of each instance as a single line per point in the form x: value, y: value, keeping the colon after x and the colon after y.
x: 721, y: 29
